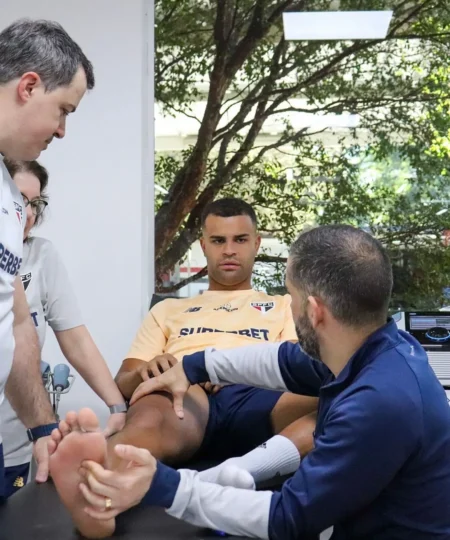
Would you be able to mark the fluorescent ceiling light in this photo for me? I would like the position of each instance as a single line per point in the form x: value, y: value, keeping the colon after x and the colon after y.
x: 331, y: 25
x: 442, y: 211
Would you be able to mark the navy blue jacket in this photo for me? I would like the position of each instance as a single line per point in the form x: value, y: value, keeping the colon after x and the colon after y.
x: 380, y: 468
x: 381, y: 464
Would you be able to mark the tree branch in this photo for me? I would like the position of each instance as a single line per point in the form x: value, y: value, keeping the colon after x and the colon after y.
x: 234, y: 99
x: 422, y: 36
x: 337, y: 107
x: 169, y: 14
x: 265, y: 90
x: 246, y: 106
x: 281, y: 142
x: 184, y: 113
x: 263, y: 87
x: 415, y: 11
x: 263, y: 258
x: 393, y: 236
x: 223, y: 23
x: 255, y: 33
x: 159, y: 73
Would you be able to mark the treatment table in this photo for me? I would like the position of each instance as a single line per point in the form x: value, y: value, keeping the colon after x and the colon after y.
x: 36, y: 513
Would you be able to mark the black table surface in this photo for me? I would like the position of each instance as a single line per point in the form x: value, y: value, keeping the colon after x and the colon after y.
x: 36, y: 513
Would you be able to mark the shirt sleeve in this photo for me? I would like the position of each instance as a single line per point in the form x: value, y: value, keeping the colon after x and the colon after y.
x: 278, y: 366
x: 288, y: 333
x: 367, y: 440
x: 235, y: 511
x: 61, y: 306
x: 150, y: 341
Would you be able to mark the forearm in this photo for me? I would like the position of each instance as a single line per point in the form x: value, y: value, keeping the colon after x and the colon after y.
x: 277, y: 366
x: 128, y: 378
x: 255, y: 365
x: 82, y: 353
x: 234, y: 511
x: 24, y: 388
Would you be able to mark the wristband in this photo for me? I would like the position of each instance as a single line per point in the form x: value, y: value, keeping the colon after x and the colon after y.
x: 41, y: 431
x: 122, y: 408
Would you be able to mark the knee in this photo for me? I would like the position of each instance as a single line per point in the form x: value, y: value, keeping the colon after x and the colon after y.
x: 148, y: 414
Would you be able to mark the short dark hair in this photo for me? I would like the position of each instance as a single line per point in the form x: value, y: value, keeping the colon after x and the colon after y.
x: 45, y: 48
x: 347, y: 268
x: 32, y: 167
x: 229, y: 207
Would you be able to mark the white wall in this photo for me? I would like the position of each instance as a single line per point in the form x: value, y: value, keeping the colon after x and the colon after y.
x: 100, y: 182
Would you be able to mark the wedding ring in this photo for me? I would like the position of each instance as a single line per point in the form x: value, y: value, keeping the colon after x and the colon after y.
x: 108, y: 503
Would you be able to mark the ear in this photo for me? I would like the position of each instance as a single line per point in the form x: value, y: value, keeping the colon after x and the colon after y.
x: 202, y: 243
x: 316, y: 311
x: 27, y: 85
x: 258, y: 242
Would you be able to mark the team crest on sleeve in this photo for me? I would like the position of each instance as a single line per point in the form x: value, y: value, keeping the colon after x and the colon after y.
x: 263, y: 307
x: 18, y: 208
x: 26, y: 278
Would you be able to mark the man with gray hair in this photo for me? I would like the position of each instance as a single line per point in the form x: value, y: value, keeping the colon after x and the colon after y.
x: 43, y: 77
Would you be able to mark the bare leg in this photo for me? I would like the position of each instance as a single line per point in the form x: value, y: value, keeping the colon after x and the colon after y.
x: 289, y: 409
x: 77, y: 440
x: 152, y: 424
x: 301, y: 433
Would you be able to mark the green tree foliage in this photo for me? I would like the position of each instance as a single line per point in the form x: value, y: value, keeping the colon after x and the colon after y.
x: 388, y: 174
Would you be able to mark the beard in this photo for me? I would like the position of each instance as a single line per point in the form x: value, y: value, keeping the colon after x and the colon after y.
x: 307, y: 337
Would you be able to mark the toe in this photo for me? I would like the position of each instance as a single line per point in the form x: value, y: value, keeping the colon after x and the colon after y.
x: 64, y: 428
x: 88, y: 420
x: 56, y: 435
x: 51, y: 445
x: 72, y: 421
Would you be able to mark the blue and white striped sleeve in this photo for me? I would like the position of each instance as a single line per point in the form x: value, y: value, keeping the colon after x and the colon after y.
x: 277, y: 366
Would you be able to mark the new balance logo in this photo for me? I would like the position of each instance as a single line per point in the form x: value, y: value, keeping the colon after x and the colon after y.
x: 18, y: 482
x: 193, y: 310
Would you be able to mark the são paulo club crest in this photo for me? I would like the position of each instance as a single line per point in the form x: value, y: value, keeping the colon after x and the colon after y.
x: 26, y: 278
x: 18, y: 208
x: 263, y: 307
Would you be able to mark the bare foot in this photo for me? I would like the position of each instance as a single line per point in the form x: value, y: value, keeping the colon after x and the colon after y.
x: 77, y: 440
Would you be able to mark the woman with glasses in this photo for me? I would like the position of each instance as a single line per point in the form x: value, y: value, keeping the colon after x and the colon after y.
x: 52, y: 301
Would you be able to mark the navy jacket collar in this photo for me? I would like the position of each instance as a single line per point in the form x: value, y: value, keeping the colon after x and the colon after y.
x: 384, y: 338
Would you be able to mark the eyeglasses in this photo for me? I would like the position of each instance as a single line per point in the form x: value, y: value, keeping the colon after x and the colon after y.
x: 37, y: 205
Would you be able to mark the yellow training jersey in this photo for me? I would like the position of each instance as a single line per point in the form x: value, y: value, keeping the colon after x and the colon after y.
x: 221, y: 319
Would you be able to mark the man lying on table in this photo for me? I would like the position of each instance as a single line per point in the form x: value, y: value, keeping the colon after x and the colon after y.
x: 380, y: 468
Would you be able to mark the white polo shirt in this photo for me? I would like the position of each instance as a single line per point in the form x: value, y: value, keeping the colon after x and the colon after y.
x: 12, y: 222
x: 52, y: 301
